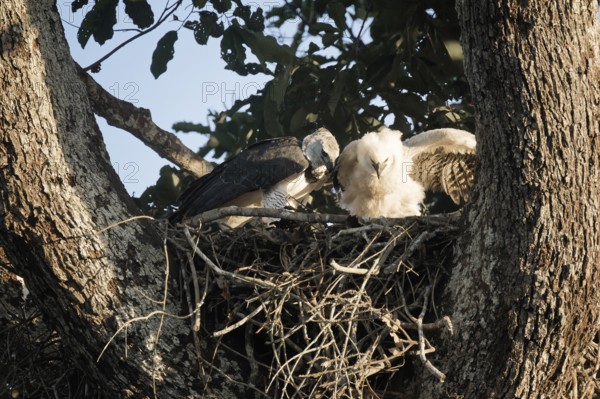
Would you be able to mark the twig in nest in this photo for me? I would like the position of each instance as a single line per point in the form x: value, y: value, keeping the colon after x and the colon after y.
x: 441, y: 376
x: 219, y: 213
x: 416, y: 244
x: 348, y: 270
x: 359, y: 229
x: 389, y: 247
x: 141, y: 318
x: 396, y: 324
x: 216, y: 214
x: 233, y: 380
x: 239, y: 323
x: 196, y: 324
x: 221, y: 272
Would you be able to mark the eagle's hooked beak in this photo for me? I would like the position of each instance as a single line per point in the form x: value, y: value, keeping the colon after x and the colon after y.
x: 327, y: 161
x: 377, y: 167
x: 329, y: 164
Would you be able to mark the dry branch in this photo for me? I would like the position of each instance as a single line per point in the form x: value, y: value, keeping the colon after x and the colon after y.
x: 368, y: 224
x: 138, y: 121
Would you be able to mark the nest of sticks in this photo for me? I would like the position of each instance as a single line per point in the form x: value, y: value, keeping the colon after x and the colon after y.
x: 320, y: 310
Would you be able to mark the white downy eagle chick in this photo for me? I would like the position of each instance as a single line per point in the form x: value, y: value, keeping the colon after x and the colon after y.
x: 275, y: 173
x: 373, y: 177
x: 380, y: 176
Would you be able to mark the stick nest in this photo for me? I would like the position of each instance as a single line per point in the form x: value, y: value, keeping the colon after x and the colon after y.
x: 319, y: 310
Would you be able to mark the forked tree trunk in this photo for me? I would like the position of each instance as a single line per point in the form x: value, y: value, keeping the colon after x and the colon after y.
x: 526, y: 290
x: 59, y: 202
x: 524, y: 296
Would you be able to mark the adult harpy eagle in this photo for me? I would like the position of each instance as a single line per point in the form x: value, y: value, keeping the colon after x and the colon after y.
x: 380, y: 176
x: 275, y: 173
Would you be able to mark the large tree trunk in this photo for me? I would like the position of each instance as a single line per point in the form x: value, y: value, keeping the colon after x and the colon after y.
x: 526, y: 288
x: 57, y: 192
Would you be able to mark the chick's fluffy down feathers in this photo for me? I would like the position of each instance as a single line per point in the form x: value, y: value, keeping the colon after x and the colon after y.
x: 373, y: 175
x: 380, y: 176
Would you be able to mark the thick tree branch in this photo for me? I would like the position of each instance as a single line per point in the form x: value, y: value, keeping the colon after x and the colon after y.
x: 216, y: 214
x: 138, y: 121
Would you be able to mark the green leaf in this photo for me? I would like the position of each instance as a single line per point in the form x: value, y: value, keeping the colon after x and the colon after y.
x: 233, y: 51
x: 299, y: 120
x: 256, y: 21
x: 318, y: 27
x: 338, y: 89
x: 190, y: 24
x: 275, y: 91
x: 337, y: 12
x: 163, y: 53
x: 313, y: 47
x: 274, y: 95
x: 221, y: 5
x: 77, y: 4
x: 199, y: 3
x: 168, y: 182
x: 329, y: 38
x: 156, y: 199
x: 360, y: 12
x: 264, y: 47
x: 140, y: 12
x: 254, y: 68
x: 271, y: 121
x: 99, y: 22
x: 207, y: 26
x: 242, y: 12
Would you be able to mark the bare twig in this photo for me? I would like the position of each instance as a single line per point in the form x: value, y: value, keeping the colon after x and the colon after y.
x: 194, y: 277
x: 238, y: 323
x: 349, y: 270
x: 140, y: 318
x: 221, y: 272
x: 360, y: 229
x: 216, y: 214
x: 414, y: 245
x: 441, y: 376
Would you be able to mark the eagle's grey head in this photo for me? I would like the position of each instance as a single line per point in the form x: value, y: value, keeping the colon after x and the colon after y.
x: 321, y: 150
x: 377, y: 152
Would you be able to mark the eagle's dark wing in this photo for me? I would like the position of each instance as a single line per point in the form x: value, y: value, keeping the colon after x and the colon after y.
x: 258, y: 167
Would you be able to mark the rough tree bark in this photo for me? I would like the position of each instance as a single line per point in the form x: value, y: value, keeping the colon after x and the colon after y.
x: 525, y: 293
x: 58, y: 193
